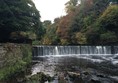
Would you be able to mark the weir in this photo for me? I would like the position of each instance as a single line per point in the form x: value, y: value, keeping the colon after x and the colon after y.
x: 74, y: 50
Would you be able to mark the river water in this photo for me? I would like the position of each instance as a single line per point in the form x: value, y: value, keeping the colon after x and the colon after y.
x: 75, y: 64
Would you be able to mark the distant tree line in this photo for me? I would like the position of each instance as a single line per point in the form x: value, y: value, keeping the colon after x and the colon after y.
x: 85, y: 22
x: 90, y: 22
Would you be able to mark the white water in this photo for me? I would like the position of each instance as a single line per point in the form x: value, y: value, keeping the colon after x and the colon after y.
x: 53, y: 53
x: 67, y: 50
x: 94, y: 53
x: 56, y: 49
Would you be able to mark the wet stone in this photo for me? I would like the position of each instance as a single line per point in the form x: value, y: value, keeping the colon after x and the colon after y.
x: 75, y: 70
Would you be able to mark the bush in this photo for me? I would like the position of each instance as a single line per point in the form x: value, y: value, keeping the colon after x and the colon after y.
x: 108, y: 37
x: 16, y: 58
x: 109, y: 19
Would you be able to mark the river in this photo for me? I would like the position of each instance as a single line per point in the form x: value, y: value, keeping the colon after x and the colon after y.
x: 75, y: 64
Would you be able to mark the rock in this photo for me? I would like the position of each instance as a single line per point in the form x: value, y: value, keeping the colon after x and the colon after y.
x: 73, y: 74
x: 85, y: 73
x: 115, y: 78
x: 116, y: 57
x: 95, y: 79
x: 100, y: 75
x: 40, y: 77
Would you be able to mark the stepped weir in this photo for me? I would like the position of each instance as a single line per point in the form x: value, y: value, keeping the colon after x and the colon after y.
x: 74, y: 50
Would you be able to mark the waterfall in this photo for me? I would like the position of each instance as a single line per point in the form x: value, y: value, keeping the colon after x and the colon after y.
x: 56, y: 49
x: 74, y: 50
x: 99, y: 49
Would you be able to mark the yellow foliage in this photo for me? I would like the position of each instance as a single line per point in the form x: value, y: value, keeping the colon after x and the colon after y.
x: 46, y: 40
x: 64, y: 42
x: 80, y: 37
x: 111, y: 9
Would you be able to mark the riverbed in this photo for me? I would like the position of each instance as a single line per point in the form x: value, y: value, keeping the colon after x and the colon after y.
x: 78, y: 68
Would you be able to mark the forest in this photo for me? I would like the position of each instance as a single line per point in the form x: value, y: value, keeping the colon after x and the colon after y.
x: 86, y: 22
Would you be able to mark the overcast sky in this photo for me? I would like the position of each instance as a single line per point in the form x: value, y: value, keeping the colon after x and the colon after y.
x: 50, y: 9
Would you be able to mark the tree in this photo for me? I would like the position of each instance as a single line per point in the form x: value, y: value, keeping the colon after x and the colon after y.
x: 104, y: 30
x: 63, y: 28
x: 109, y: 19
x: 50, y: 37
x: 108, y: 37
x: 18, y: 15
x: 46, y: 23
x: 90, y: 22
x: 71, y: 5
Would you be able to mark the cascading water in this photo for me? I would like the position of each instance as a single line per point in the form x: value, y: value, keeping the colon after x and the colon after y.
x: 53, y: 58
x: 99, y: 49
x: 56, y: 49
x: 74, y: 50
